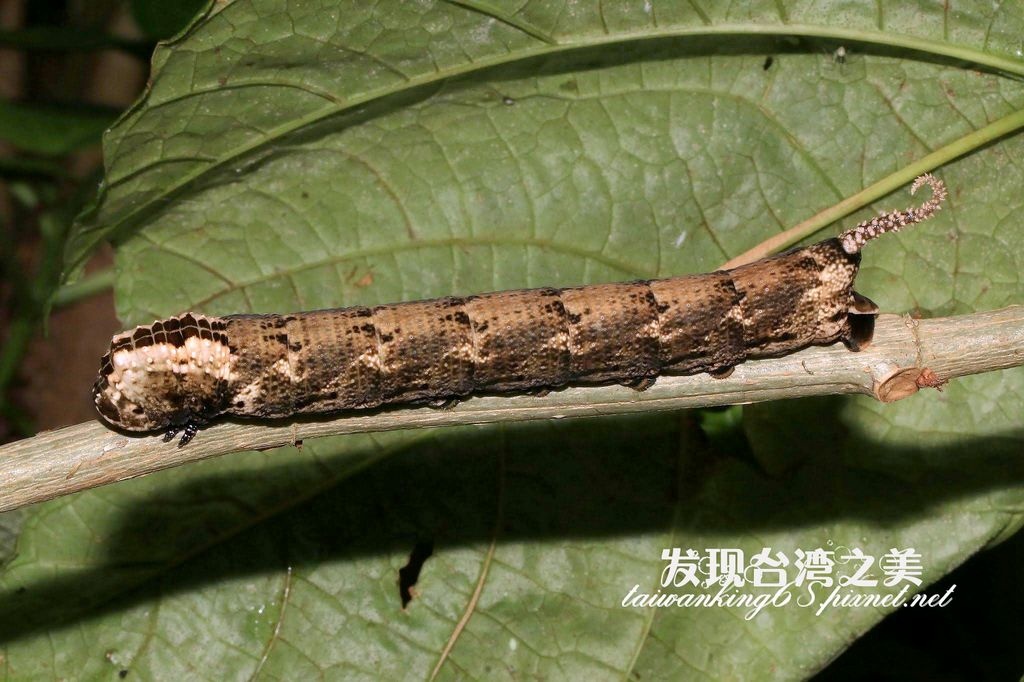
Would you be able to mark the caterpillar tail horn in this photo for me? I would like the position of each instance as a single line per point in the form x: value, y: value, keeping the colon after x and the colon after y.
x: 855, y: 238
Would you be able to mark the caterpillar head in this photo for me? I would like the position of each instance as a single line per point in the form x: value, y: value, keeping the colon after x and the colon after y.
x: 164, y: 375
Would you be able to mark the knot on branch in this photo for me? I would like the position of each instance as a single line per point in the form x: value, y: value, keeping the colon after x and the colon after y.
x: 903, y: 382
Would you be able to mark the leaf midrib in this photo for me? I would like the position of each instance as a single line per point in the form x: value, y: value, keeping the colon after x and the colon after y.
x: 880, y: 38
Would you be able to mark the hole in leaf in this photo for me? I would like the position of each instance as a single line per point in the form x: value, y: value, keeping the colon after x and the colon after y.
x: 409, y: 574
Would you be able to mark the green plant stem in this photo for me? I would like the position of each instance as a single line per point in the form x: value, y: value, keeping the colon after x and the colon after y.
x: 966, y: 144
x: 90, y: 285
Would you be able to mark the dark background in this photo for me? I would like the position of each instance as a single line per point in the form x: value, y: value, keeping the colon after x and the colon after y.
x: 67, y: 70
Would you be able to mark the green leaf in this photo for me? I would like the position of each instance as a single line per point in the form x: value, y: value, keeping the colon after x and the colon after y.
x: 51, y: 130
x: 303, y: 155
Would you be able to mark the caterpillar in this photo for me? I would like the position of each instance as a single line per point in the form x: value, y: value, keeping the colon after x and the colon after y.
x: 178, y: 374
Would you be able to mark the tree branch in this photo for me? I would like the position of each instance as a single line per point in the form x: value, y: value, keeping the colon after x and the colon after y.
x: 906, y: 355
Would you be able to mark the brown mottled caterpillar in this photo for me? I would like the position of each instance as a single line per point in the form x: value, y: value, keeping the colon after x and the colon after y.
x: 179, y: 373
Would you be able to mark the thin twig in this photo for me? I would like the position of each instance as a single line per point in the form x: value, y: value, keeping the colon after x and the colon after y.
x: 963, y: 145
x: 906, y: 355
x: 90, y: 285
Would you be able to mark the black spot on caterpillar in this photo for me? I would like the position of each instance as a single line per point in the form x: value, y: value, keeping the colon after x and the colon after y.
x: 178, y: 374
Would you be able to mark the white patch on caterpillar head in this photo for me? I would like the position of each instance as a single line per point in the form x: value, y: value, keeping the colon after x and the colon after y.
x: 133, y: 377
x: 147, y: 381
x: 196, y: 355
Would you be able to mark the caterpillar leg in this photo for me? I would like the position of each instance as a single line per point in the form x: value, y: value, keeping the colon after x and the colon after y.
x: 722, y: 372
x: 188, y: 431
x: 443, y: 403
x: 641, y: 384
